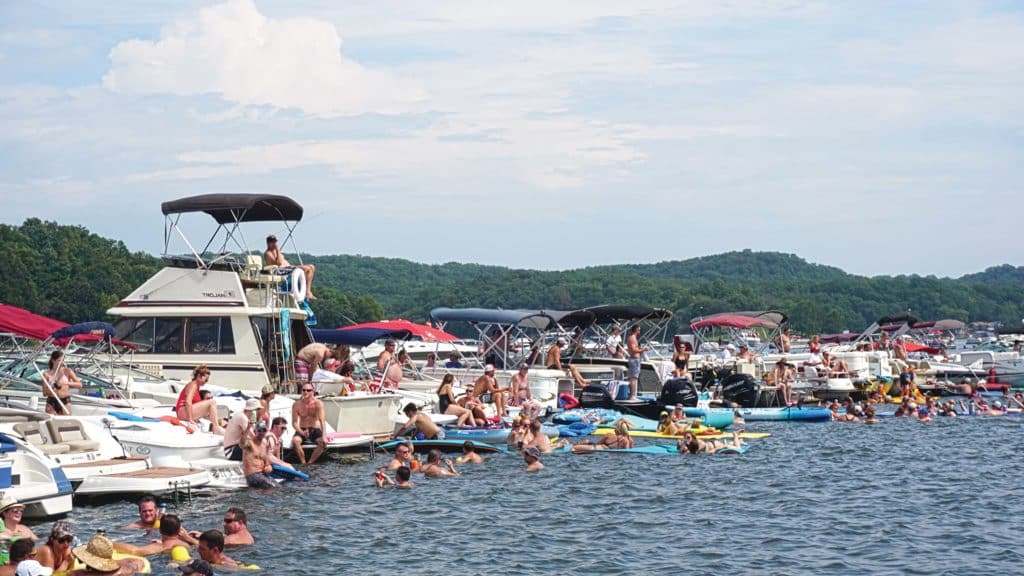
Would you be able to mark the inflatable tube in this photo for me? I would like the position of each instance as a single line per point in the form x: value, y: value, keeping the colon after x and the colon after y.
x: 297, y: 280
x: 286, y: 473
x: 146, y: 568
x: 567, y: 401
x: 732, y: 450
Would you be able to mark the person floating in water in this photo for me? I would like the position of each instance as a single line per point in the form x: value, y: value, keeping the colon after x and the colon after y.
x: 690, y: 444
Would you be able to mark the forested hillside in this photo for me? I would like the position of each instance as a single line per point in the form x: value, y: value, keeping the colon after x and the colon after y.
x: 70, y: 274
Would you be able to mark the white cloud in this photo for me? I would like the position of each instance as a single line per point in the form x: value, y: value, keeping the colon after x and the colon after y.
x: 233, y: 50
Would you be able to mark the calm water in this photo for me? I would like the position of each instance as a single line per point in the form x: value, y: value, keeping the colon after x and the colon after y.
x: 896, y: 498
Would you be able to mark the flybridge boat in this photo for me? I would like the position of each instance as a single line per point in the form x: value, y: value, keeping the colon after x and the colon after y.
x: 223, y: 308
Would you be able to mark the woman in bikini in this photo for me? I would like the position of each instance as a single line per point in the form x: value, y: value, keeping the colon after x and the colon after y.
x: 191, y: 407
x: 690, y: 444
x: 59, y: 381
x: 680, y: 358
x: 446, y: 403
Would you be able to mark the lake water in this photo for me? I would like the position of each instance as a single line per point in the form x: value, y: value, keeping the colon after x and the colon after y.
x: 832, y: 498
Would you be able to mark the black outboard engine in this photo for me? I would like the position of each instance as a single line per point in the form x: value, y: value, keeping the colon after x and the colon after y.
x: 679, y: 391
x: 741, y: 389
x: 596, y: 397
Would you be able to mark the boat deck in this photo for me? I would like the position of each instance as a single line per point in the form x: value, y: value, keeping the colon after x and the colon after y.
x: 110, y: 462
x: 156, y: 472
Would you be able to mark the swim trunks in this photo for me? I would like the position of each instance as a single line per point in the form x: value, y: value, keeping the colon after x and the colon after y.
x: 312, y: 435
x: 233, y: 452
x: 634, y: 368
x: 260, y: 480
x: 301, y: 370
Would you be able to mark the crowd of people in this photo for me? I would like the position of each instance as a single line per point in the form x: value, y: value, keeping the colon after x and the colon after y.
x: 188, y: 551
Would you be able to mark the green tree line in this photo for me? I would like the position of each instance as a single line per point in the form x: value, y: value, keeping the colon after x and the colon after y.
x: 73, y: 275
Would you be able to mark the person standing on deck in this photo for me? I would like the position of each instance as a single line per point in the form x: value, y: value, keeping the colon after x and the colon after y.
x: 613, y: 344
x: 635, y: 352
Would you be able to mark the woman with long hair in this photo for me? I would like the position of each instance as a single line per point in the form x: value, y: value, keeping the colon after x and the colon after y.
x: 447, y: 405
x: 191, y: 407
x: 59, y: 381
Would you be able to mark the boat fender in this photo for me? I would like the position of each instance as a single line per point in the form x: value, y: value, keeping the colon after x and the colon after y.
x: 568, y: 401
x: 298, y: 284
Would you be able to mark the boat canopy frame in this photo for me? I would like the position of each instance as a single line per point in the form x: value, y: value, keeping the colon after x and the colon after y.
x: 602, y: 319
x: 770, y: 323
x: 496, y: 326
x: 230, y: 211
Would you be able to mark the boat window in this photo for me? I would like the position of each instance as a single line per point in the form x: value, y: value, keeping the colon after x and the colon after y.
x: 168, y: 335
x: 210, y: 336
x: 137, y: 331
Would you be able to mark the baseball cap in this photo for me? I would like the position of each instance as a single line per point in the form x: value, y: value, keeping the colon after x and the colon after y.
x: 261, y: 426
x: 532, y: 452
x: 489, y: 368
x: 267, y: 389
x: 271, y: 238
x: 252, y: 404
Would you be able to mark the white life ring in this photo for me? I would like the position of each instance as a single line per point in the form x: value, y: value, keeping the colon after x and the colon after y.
x: 298, y: 283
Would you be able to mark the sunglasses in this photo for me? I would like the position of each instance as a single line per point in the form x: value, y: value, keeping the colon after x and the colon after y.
x: 66, y: 539
x: 307, y: 389
x: 229, y: 520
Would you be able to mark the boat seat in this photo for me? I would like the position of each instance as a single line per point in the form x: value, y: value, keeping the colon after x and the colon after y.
x: 33, y: 435
x: 70, y: 432
x: 254, y: 271
x: 13, y: 419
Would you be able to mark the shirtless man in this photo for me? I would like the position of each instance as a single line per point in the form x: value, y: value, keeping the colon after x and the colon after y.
x: 469, y: 455
x: 553, y: 360
x: 211, y: 549
x: 532, y: 458
x: 309, y: 358
x: 520, y: 393
x: 541, y: 441
x: 236, y: 529
x: 274, y: 257
x: 434, y: 469
x: 309, y: 421
x: 635, y: 352
x: 782, y: 342
x: 256, y: 459
x: 782, y: 377
x: 421, y: 423
x: 486, y: 389
x: 403, y: 457
x: 170, y: 527
x: 148, y: 514
x: 390, y: 365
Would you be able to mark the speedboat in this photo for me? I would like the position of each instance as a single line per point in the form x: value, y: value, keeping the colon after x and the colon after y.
x: 33, y: 479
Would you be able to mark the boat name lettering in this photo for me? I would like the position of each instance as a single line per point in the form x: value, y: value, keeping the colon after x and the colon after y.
x: 220, y: 294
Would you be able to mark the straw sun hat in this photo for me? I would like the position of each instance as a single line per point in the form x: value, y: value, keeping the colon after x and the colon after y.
x: 98, y: 554
x: 8, y: 502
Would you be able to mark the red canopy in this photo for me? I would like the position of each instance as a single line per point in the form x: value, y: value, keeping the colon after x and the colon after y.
x: 732, y: 321
x: 427, y: 333
x: 24, y: 323
x: 915, y: 347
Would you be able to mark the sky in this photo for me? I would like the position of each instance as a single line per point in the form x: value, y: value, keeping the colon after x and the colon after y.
x: 880, y: 137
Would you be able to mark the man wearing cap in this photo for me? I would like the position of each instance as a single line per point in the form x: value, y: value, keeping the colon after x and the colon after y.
x: 238, y: 428
x: 310, y: 422
x: 32, y: 567
x: 274, y: 257
x: 256, y: 458
x: 267, y: 395
x: 532, y: 458
x: 309, y: 358
x: 486, y: 389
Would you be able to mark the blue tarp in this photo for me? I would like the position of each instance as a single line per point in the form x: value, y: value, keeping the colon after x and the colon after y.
x: 357, y: 336
x: 93, y: 328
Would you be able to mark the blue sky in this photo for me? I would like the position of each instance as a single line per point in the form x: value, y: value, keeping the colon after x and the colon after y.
x: 880, y: 137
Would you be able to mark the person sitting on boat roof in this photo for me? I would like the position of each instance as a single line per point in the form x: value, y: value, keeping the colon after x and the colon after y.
x: 211, y: 549
x: 11, y: 512
x: 532, y: 458
x: 274, y: 257
x: 553, y: 360
x: 434, y: 469
x: 690, y: 444
x: 309, y: 420
x: 486, y: 389
x: 170, y: 529
x: 453, y: 361
x: 402, y: 457
x: 425, y: 428
x: 58, y: 382
x: 18, y: 552
x: 469, y: 454
x: 309, y: 358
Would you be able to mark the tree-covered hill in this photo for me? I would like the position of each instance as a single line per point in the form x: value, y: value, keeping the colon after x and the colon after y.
x: 70, y: 274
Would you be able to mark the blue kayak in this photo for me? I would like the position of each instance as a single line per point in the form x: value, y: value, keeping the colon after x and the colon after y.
x: 714, y: 418
x: 656, y: 449
x: 793, y: 413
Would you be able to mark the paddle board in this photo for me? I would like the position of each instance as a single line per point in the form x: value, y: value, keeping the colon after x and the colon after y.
x: 715, y: 436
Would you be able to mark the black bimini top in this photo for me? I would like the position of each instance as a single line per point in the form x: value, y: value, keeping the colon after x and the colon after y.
x: 610, y: 314
x: 229, y: 208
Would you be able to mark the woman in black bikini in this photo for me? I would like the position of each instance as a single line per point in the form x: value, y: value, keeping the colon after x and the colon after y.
x: 681, y: 358
x: 446, y: 403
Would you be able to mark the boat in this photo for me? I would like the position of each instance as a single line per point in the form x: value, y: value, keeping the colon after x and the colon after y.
x: 227, y: 310
x: 33, y: 479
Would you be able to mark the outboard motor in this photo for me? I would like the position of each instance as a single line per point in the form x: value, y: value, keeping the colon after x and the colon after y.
x: 679, y: 391
x: 741, y: 389
x: 596, y: 397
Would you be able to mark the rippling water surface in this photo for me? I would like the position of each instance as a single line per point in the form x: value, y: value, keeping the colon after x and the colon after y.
x: 832, y: 498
